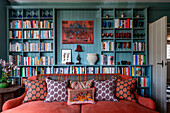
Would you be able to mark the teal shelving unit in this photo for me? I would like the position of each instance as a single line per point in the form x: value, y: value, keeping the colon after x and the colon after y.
x: 106, y: 31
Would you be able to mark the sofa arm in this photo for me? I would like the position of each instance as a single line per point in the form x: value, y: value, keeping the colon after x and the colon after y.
x: 13, y: 102
x: 147, y: 102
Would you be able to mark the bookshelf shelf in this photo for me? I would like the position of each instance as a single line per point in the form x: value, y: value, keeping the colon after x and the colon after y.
x: 107, y: 28
x: 138, y: 38
x: 142, y: 87
x: 139, y: 18
x: 139, y: 28
x: 109, y: 18
x: 122, y: 51
x: 123, y: 38
x: 107, y: 38
x: 123, y: 28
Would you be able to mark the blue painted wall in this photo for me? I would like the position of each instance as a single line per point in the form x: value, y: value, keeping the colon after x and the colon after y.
x: 87, y: 48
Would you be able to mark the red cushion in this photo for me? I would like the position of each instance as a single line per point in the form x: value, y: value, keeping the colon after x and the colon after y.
x: 122, y: 106
x: 42, y: 107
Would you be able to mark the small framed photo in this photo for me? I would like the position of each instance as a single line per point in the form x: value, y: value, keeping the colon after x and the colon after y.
x: 65, y: 56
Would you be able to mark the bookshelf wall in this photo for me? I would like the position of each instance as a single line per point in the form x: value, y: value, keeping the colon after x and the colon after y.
x: 120, y: 40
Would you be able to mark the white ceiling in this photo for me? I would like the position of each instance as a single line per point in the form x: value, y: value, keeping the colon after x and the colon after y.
x: 70, y: 1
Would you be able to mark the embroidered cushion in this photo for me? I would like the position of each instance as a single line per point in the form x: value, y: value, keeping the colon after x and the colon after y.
x: 36, y: 90
x: 125, y: 88
x: 105, y: 90
x: 80, y: 96
x: 81, y: 85
x: 56, y: 91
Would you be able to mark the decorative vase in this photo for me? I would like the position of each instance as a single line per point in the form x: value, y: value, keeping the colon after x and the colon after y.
x: 92, y: 58
x: 4, y: 85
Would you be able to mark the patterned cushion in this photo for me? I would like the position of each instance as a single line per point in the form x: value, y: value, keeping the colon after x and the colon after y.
x: 36, y: 90
x: 81, y: 85
x: 105, y: 90
x: 80, y: 96
x: 56, y: 90
x: 125, y: 88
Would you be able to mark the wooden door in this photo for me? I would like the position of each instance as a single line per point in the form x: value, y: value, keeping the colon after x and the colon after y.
x: 157, y: 58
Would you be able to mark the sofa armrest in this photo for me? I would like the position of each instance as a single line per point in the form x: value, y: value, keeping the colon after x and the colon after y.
x: 13, y: 102
x: 147, y: 102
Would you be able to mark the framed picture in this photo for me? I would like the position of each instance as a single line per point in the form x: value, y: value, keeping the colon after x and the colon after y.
x: 77, y: 32
x: 65, y: 56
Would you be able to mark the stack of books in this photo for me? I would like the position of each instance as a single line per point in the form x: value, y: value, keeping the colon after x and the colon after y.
x: 123, y: 23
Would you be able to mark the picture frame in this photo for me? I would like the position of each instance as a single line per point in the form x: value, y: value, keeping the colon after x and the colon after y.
x: 77, y: 32
x: 66, y: 55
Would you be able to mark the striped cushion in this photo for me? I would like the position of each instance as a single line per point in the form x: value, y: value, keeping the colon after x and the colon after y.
x: 81, y: 85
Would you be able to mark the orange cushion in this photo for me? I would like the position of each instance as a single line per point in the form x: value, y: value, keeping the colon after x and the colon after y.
x: 42, y: 107
x: 36, y: 90
x: 122, y: 106
x: 125, y: 88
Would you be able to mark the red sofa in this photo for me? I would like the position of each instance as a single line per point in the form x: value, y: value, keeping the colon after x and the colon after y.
x: 144, y: 105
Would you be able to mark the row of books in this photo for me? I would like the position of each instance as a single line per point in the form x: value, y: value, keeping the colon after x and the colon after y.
x: 129, y: 71
x: 47, y: 34
x: 142, y: 92
x: 46, y: 46
x: 20, y: 60
x: 108, y: 46
x: 132, y: 71
x: 15, y: 73
x: 31, y: 46
x: 139, y: 59
x: 15, y: 46
x: 108, y: 70
x: 143, y: 81
x: 15, y: 34
x: 84, y: 70
x: 31, y: 34
x: 123, y: 45
x: 46, y: 24
x: 15, y: 24
x: 36, y: 46
x: 140, y: 71
x: 123, y: 23
x: 138, y: 46
x: 107, y: 60
x: 32, y: 71
x: 31, y: 24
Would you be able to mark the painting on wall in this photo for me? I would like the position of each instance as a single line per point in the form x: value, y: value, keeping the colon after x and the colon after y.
x: 77, y: 32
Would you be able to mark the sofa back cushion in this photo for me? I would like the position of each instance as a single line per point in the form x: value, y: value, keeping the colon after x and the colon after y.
x: 125, y: 89
x: 56, y: 90
x: 80, y: 77
x: 105, y: 90
x: 36, y: 90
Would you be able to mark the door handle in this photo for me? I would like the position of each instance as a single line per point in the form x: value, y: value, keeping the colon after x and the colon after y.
x: 162, y: 63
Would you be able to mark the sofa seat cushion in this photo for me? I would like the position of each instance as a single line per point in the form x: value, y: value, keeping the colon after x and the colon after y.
x: 42, y: 107
x: 122, y: 106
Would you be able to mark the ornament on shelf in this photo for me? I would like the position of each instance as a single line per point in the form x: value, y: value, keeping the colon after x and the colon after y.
x: 35, y: 15
x: 29, y: 14
x: 122, y: 15
x: 78, y: 49
x: 107, y: 15
x: 20, y: 15
x: 49, y: 15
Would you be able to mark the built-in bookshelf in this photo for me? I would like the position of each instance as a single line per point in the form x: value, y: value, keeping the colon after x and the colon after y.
x: 34, y: 44
x: 31, y: 41
x: 124, y: 45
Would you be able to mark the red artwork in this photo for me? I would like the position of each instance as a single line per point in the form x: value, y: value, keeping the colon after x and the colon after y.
x: 77, y: 32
